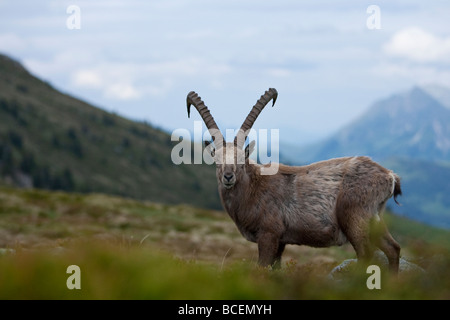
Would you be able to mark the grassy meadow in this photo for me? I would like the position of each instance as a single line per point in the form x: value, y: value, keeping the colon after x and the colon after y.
x: 128, y: 249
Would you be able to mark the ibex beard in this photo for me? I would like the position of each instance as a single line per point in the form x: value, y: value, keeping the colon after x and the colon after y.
x: 323, y: 204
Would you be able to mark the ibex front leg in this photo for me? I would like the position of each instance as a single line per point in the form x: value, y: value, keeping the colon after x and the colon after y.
x: 270, y: 250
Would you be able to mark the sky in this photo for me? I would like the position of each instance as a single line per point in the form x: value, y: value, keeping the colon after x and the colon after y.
x: 329, y: 60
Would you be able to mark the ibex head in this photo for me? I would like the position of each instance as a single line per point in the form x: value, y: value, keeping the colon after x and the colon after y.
x: 230, y: 158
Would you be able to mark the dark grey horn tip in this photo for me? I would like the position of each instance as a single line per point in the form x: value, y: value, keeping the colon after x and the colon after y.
x: 274, y: 95
x: 189, y: 102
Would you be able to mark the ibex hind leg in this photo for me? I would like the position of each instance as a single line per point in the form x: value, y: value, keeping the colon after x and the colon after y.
x: 363, y: 246
x: 384, y: 240
x: 355, y: 224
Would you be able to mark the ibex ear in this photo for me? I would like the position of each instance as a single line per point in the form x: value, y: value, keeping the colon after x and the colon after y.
x: 210, y: 147
x: 249, y: 149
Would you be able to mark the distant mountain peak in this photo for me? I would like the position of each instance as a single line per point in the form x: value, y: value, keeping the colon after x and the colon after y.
x: 412, y: 124
x: 440, y: 93
x: 410, y: 102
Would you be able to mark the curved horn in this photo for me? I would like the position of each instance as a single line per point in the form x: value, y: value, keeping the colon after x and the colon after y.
x: 253, y: 115
x: 194, y: 99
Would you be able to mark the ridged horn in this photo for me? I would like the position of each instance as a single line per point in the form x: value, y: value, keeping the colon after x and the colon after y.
x: 253, y: 115
x: 194, y: 99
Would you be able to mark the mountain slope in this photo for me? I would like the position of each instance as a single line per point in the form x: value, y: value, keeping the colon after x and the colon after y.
x: 408, y: 133
x: 54, y: 141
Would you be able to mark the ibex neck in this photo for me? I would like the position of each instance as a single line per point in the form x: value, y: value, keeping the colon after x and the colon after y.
x: 242, y: 191
x: 239, y: 200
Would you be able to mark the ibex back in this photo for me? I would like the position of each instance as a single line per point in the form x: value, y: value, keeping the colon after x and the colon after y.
x: 320, y: 205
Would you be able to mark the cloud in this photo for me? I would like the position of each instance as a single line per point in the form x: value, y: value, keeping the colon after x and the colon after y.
x: 417, y: 45
x: 279, y: 72
x: 10, y: 42
x: 111, y: 88
x: 87, y: 78
x: 413, y: 55
x: 117, y: 80
x: 114, y: 81
x: 419, y: 74
x: 122, y: 91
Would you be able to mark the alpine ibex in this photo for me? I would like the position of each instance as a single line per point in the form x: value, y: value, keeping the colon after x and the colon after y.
x: 320, y: 205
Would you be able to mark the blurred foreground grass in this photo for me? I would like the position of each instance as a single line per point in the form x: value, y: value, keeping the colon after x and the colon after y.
x: 135, y: 250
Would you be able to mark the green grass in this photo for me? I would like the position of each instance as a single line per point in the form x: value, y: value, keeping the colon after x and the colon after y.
x: 123, y: 271
x: 128, y: 249
x: 116, y: 271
